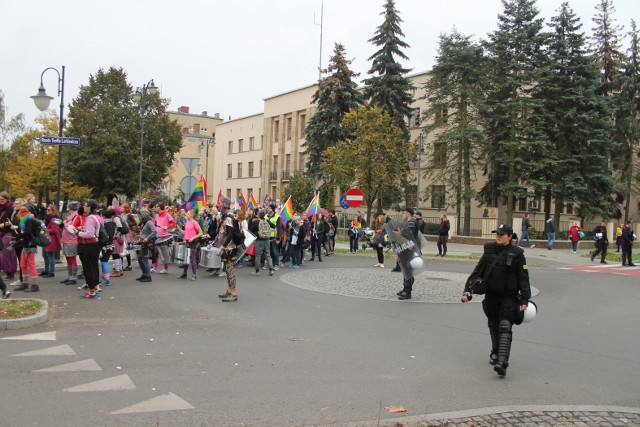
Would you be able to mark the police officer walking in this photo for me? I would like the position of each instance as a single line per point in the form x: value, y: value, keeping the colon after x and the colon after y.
x: 627, y: 243
x: 601, y: 242
x: 503, y: 271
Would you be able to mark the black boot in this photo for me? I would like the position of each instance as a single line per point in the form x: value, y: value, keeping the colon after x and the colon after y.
x: 33, y: 288
x: 504, y: 348
x: 495, y: 341
x: 407, y: 288
x: 22, y: 287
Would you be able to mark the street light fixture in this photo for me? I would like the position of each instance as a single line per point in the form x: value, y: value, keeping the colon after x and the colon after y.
x: 420, y: 151
x: 207, y: 141
x: 42, y: 101
x: 141, y: 98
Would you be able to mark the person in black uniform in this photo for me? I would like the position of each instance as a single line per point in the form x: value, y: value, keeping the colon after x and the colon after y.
x: 627, y: 243
x: 503, y: 268
x: 405, y: 251
x: 601, y: 242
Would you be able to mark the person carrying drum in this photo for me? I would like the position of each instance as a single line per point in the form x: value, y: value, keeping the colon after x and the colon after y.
x: 165, y: 224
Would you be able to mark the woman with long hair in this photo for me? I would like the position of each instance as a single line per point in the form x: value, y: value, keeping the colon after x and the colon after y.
x: 8, y: 260
x: 53, y: 224
x: 89, y: 248
x: 25, y: 228
x: 192, y: 233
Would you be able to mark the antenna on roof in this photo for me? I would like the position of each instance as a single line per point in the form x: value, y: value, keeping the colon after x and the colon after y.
x: 320, y: 24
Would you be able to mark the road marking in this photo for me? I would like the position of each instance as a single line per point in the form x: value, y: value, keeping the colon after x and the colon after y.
x: 42, y: 336
x: 120, y: 382
x: 616, y: 269
x: 81, y: 366
x: 166, y: 402
x: 60, y: 350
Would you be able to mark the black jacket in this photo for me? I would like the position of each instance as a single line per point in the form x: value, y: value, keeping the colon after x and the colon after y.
x: 445, y: 226
x: 508, y: 277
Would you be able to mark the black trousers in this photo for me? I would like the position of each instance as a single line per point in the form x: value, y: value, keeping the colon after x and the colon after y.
x: 90, y: 259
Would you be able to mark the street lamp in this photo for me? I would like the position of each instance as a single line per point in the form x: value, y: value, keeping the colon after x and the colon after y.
x: 42, y: 101
x: 420, y: 151
x: 207, y: 141
x: 141, y: 98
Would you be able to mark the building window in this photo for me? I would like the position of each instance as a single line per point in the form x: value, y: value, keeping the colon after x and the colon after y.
x: 199, y: 169
x: 240, y: 143
x: 239, y: 170
x: 200, y: 147
x: 252, y: 143
x: 438, y: 196
x: 303, y: 125
x: 287, y: 167
x: 301, y: 162
x: 229, y: 170
x: 250, y: 169
x: 411, y: 192
x: 414, y: 118
x: 289, y: 121
x: 439, y: 155
x: 569, y: 208
x: 229, y: 193
x: 441, y: 115
x: 230, y: 147
x: 274, y: 168
x: 276, y: 131
x: 203, y: 130
x: 522, y: 204
x: 260, y: 171
x: 249, y: 191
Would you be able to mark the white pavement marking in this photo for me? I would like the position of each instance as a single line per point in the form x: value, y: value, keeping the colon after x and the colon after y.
x: 166, y: 402
x: 42, y: 336
x: 82, y: 366
x: 59, y: 350
x: 120, y: 382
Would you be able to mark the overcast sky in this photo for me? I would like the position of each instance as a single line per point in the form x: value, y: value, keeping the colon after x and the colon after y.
x: 224, y: 56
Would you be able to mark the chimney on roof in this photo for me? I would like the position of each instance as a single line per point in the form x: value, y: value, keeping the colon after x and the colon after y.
x: 216, y: 115
x: 183, y: 109
x: 196, y: 128
x: 204, y: 113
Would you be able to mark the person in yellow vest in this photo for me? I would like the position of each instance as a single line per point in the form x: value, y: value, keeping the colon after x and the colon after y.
x: 276, y: 234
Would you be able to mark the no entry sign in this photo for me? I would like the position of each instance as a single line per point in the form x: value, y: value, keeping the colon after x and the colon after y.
x: 355, y: 197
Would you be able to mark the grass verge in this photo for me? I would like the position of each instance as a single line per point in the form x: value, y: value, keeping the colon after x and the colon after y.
x: 18, y: 308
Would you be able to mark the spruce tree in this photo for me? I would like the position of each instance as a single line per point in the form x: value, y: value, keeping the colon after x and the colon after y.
x: 337, y: 94
x: 456, y: 85
x: 606, y: 46
x: 514, y: 57
x: 627, y: 119
x: 389, y: 88
x: 575, y: 121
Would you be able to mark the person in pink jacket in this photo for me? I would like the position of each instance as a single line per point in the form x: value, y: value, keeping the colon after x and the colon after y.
x: 53, y: 224
x: 89, y: 248
x: 165, y: 224
x: 70, y: 244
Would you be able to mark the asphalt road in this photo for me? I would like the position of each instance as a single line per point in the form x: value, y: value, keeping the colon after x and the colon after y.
x: 283, y: 355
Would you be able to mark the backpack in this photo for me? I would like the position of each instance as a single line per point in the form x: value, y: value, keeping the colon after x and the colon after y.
x: 238, y: 234
x: 264, y: 229
x: 103, y: 235
x: 42, y: 237
x: 125, y: 227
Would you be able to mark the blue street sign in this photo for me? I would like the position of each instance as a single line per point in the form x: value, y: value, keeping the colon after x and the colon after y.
x: 343, y: 202
x: 59, y: 140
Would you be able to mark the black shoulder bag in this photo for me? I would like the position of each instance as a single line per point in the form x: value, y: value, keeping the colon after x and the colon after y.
x: 479, y: 285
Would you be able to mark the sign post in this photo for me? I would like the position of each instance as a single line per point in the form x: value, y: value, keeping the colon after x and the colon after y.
x: 354, y: 197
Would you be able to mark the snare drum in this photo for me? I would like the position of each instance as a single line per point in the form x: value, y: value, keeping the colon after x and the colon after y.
x: 209, y: 257
x: 180, y: 254
x: 164, y: 241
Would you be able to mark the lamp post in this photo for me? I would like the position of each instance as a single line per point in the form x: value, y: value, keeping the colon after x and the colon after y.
x: 42, y: 101
x: 420, y: 151
x: 141, y: 98
x: 207, y: 141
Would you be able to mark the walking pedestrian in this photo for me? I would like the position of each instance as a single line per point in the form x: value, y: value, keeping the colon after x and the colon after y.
x: 601, y: 242
x: 628, y: 236
x: 526, y: 225
x: 443, y: 235
x: 192, y: 233
x: 550, y: 229
x: 503, y: 269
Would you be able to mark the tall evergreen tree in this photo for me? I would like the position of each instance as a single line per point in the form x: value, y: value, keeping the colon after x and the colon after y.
x: 606, y: 46
x: 514, y: 57
x: 337, y: 94
x: 627, y: 121
x: 389, y: 88
x: 575, y: 120
x: 106, y: 119
x: 454, y: 92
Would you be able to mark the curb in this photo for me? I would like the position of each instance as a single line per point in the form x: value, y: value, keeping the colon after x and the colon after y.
x: 464, y: 415
x: 40, y: 317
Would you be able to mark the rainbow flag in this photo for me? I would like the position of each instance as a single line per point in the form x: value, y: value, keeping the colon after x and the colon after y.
x: 219, y: 196
x: 314, y: 206
x: 198, y: 197
x: 252, y: 203
x: 286, y: 213
x: 242, y: 202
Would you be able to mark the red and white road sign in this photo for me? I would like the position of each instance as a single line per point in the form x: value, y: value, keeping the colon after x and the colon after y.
x: 355, y: 197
